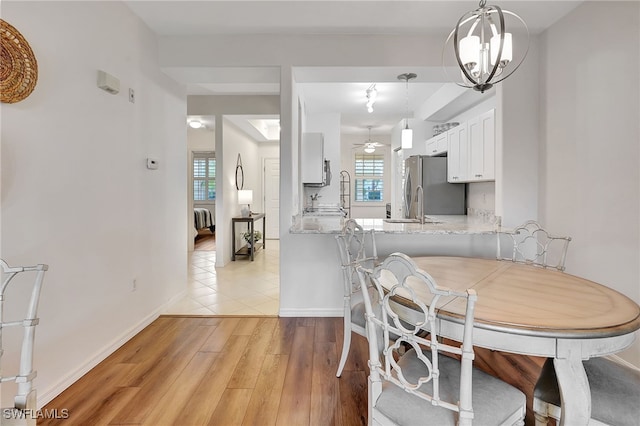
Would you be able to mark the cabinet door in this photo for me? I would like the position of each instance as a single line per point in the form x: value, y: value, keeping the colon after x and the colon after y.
x: 312, y: 158
x: 457, y: 156
x: 437, y: 144
x: 482, y: 147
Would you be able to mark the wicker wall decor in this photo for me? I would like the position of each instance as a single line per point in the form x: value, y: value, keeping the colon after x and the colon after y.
x: 18, y: 66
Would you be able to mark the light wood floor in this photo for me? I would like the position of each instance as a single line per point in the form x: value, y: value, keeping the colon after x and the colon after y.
x: 240, y: 371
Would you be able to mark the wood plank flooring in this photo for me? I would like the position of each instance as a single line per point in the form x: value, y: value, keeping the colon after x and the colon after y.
x: 205, y: 240
x: 240, y: 371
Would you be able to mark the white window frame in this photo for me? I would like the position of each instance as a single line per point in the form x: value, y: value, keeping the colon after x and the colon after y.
x: 380, y: 177
x: 203, y: 155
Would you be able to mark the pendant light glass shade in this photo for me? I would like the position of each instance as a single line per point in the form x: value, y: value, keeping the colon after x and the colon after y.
x: 406, y: 138
x: 482, y: 47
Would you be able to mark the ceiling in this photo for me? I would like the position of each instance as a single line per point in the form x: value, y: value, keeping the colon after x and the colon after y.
x: 327, y: 90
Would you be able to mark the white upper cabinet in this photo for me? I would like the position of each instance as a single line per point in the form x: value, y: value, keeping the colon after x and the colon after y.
x: 437, y: 145
x: 482, y: 147
x: 471, y: 152
x: 457, y: 157
x: 312, y: 159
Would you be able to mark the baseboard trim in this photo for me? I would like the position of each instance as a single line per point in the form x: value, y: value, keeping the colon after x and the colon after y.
x: 48, y: 395
x: 618, y: 360
x: 312, y: 312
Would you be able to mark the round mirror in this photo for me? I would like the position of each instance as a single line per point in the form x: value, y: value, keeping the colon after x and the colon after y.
x: 239, y: 174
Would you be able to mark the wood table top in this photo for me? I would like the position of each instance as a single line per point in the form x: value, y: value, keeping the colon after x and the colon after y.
x: 526, y: 299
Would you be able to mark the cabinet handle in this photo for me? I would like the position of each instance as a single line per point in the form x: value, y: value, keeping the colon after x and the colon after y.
x: 478, y: 175
x: 435, y: 150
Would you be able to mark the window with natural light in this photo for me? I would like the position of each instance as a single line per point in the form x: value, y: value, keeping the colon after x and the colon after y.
x: 369, y: 177
x: 204, y: 176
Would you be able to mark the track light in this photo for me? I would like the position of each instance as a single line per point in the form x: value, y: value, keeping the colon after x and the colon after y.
x: 372, y: 94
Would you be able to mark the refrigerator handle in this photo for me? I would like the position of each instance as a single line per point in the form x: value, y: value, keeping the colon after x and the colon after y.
x: 407, y: 194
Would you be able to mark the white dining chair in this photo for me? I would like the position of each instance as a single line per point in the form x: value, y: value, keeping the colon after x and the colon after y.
x: 433, y: 383
x: 353, y: 242
x: 615, y: 394
x: 530, y: 243
x: 24, y: 409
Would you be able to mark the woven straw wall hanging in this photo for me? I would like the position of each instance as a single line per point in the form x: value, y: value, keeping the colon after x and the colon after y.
x: 18, y: 66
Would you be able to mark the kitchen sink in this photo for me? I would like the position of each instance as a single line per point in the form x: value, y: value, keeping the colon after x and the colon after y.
x: 426, y: 220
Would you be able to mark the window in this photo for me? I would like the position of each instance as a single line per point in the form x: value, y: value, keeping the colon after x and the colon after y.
x: 369, y: 177
x: 204, y: 176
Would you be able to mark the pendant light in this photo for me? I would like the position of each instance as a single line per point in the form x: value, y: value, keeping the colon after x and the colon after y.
x: 407, y: 133
x: 483, y: 48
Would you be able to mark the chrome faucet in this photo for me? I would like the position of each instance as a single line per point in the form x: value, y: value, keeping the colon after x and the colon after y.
x: 420, y: 201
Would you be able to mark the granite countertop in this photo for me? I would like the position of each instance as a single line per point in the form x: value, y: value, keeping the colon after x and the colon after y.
x: 459, y: 224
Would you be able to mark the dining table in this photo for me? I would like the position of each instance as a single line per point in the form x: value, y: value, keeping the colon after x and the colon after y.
x: 530, y: 310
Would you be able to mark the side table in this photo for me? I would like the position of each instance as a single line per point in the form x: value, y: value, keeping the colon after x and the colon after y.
x: 250, y: 220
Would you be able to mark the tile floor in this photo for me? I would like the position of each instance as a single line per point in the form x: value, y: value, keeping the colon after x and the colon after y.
x: 240, y: 288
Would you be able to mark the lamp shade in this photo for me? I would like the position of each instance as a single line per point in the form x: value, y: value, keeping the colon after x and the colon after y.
x: 407, y: 138
x: 245, y: 196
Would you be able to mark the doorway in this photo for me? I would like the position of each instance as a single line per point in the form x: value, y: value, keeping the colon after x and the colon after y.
x: 271, y: 193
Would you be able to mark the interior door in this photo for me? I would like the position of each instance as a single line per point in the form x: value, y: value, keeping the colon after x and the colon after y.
x: 271, y: 191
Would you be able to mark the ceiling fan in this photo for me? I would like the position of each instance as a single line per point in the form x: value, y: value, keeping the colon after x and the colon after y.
x: 369, y: 145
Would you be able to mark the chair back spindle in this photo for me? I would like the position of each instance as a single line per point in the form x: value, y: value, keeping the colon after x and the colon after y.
x: 531, y: 244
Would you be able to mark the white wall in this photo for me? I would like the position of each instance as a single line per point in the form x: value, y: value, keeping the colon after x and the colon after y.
x: 518, y: 142
x: 75, y: 190
x: 590, y: 152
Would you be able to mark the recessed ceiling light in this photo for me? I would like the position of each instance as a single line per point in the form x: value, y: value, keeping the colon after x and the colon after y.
x: 269, y: 128
x: 195, y: 124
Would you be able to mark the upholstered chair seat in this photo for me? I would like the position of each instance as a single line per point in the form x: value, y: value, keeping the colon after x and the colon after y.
x: 615, y: 393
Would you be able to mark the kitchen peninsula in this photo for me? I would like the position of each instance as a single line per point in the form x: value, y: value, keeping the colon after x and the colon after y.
x: 320, y: 293
x: 433, y: 225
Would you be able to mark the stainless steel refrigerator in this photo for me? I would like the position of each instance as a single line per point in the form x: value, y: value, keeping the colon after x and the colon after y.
x: 440, y: 196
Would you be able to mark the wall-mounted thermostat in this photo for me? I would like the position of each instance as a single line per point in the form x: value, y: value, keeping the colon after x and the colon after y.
x: 152, y: 163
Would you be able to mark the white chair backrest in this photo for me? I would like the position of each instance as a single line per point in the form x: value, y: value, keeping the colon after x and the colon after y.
x: 352, y: 243
x: 25, y: 397
x: 530, y: 243
x: 401, y: 276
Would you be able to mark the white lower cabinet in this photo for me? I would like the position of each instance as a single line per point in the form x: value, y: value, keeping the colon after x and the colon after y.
x: 471, y: 154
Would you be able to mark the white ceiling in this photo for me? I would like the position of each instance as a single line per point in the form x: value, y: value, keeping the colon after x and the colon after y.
x: 339, y: 90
